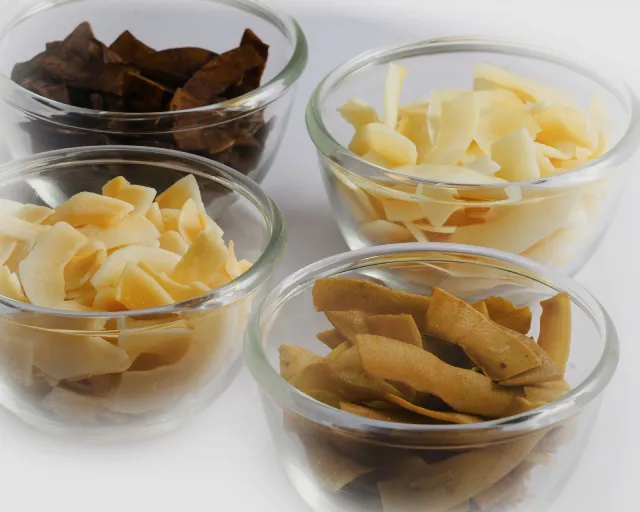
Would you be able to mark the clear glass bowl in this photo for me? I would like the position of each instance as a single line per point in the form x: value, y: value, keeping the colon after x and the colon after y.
x: 565, y: 216
x: 318, y: 445
x: 32, y: 124
x: 154, y: 398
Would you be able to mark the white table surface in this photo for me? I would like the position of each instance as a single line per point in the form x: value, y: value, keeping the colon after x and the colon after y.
x: 224, y: 459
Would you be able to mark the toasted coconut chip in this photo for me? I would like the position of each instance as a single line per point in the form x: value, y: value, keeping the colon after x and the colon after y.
x: 503, y: 312
x: 555, y: 329
x: 330, y: 466
x: 179, y: 292
x: 331, y: 338
x: 170, y: 219
x: 340, y: 349
x: 386, y: 141
x: 384, y: 232
x: 348, y: 323
x: 548, y: 391
x: 294, y: 359
x: 178, y: 194
x: 87, y: 208
x: 481, y: 307
x: 158, y: 259
x: 524, y: 226
x: 10, y: 285
x: 457, y: 129
x: 449, y: 417
x: 138, y: 290
x: 384, y: 415
x: 499, y: 491
x: 464, y: 390
x: 392, y: 88
x: 34, y: 213
x: 397, y: 327
x: 105, y: 300
x: 358, y: 113
x: 344, y: 293
x: 172, y: 241
x: 18, y: 229
x: 202, y: 261
x: 499, y: 353
x: 155, y: 216
x: 42, y: 271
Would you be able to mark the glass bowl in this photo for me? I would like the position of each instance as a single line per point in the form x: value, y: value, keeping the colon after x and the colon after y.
x: 207, y: 330
x: 563, y: 218
x: 33, y: 124
x: 335, y: 459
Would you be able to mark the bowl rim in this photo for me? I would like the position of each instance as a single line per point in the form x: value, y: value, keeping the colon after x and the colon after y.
x: 290, y: 398
x: 259, y: 273
x: 252, y: 101
x: 341, y: 155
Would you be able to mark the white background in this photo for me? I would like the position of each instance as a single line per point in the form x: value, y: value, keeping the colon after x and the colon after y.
x: 224, y: 460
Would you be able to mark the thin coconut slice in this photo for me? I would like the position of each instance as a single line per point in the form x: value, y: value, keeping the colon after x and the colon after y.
x: 84, y: 264
x: 178, y: 291
x: 9, y: 207
x: 155, y: 216
x: 10, y: 285
x: 516, y: 156
x: 385, y: 232
x: 158, y: 259
x: 413, y: 125
x: 105, y: 300
x: 42, y: 271
x: 178, y: 194
x: 484, y: 165
x: 133, y: 229
x: 448, y: 174
x: 16, y: 356
x: 18, y: 229
x: 113, y: 187
x: 402, y: 211
x: 501, y: 113
x: 87, y: 208
x: 7, y: 247
x: 172, y: 241
x: 527, y: 89
x: 438, y: 204
x: 203, y: 259
x: 416, y: 232
x: 191, y: 222
x: 561, y: 151
x: 170, y: 218
x: 521, y: 228
x: 386, y: 141
x: 34, y: 213
x: 562, y: 122
x: 170, y: 345
x: 438, y: 96
x: 141, y: 198
x: 358, y: 113
x: 392, y: 88
x: 457, y: 128
x: 138, y: 290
